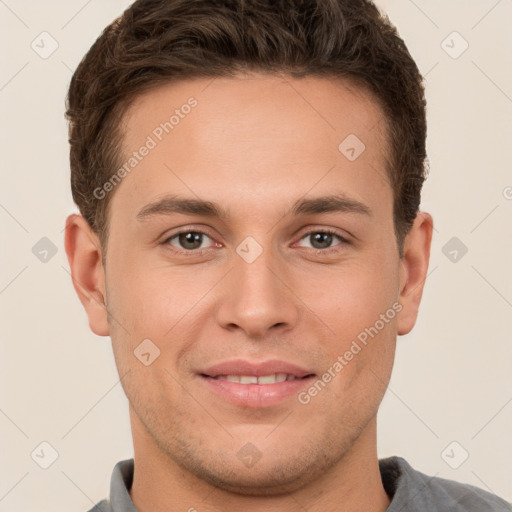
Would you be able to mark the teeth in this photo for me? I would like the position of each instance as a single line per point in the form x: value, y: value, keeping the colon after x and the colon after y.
x: 249, y: 379
x: 267, y: 379
x: 252, y: 379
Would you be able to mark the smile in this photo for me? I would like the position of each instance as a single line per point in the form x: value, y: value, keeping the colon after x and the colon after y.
x: 252, y: 379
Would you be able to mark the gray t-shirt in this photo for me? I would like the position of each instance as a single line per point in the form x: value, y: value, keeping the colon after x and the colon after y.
x: 411, y: 491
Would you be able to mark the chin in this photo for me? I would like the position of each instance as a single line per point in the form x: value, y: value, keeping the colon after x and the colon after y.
x: 266, y: 481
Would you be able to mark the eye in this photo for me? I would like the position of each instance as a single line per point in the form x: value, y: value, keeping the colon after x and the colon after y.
x: 322, y: 240
x: 192, y: 241
x: 187, y: 240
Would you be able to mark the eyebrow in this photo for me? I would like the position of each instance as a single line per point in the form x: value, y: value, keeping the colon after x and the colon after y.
x: 302, y: 207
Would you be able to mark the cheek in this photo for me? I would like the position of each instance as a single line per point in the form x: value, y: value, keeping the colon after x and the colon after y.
x: 354, y: 299
x: 147, y: 299
x: 360, y: 306
x: 156, y: 303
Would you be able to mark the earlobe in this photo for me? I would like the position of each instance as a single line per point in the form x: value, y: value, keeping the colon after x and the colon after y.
x: 83, y: 250
x: 413, y: 272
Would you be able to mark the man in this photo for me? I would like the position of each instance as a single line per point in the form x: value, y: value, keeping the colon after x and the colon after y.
x: 249, y: 177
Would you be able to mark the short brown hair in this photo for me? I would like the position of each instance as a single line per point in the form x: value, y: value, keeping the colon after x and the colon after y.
x: 157, y: 41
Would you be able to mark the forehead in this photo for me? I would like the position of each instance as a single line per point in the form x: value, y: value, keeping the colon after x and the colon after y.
x: 328, y: 104
x: 261, y: 135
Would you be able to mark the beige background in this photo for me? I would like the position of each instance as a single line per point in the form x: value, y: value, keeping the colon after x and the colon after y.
x: 452, y: 377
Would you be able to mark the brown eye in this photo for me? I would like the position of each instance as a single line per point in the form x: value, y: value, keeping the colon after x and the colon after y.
x: 323, y: 240
x: 187, y: 240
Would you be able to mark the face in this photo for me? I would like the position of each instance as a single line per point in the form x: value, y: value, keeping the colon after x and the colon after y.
x: 254, y: 239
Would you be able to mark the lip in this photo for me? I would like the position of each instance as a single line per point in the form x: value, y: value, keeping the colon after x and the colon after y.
x: 255, y: 396
x: 257, y: 369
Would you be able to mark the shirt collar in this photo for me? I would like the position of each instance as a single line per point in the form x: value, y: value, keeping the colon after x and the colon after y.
x: 120, y: 484
x: 404, y: 484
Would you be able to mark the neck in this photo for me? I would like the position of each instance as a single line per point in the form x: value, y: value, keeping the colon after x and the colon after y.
x: 354, y: 484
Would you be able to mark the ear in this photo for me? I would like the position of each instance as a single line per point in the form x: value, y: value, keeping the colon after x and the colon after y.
x: 83, y: 249
x: 413, y: 271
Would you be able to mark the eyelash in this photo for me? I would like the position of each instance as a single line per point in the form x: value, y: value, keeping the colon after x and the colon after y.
x: 196, y: 252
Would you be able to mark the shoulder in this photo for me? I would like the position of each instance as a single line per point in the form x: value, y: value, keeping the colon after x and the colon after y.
x: 120, y: 484
x: 466, y: 497
x: 102, y: 506
x: 414, y: 490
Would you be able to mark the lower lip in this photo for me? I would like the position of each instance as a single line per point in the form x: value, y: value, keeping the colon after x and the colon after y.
x: 256, y: 396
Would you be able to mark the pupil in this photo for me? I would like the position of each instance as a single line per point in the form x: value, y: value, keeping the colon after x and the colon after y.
x: 191, y: 238
x: 324, y: 239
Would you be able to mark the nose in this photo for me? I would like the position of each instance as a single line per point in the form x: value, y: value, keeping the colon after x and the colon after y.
x: 257, y: 298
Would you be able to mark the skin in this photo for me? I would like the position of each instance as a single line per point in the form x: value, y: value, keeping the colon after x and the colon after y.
x: 254, y: 144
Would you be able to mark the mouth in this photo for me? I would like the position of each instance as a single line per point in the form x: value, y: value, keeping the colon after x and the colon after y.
x: 255, y: 385
x: 272, y: 378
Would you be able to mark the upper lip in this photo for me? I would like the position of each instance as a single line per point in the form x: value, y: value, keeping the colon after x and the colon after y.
x: 254, y: 368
